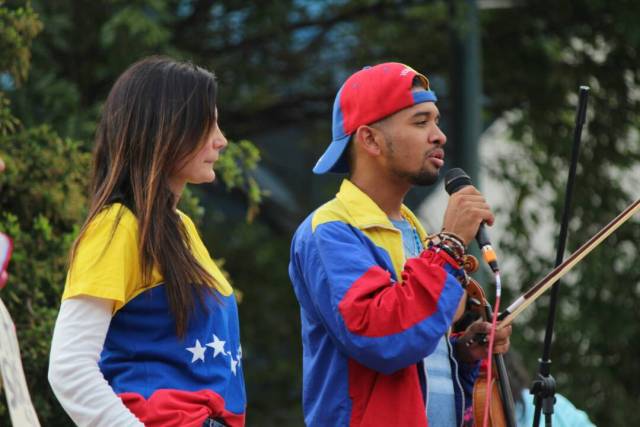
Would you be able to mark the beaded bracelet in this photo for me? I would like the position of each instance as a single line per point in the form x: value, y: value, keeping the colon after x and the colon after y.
x: 450, y: 244
x: 453, y: 246
x: 453, y: 237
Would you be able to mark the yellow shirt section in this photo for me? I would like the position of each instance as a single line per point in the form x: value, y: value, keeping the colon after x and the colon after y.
x: 107, y: 261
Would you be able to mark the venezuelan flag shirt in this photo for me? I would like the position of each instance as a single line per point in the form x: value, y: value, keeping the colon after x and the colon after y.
x: 164, y: 380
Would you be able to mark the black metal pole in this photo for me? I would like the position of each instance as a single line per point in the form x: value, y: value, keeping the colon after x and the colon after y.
x: 543, y: 388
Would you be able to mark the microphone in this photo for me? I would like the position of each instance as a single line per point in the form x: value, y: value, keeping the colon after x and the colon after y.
x: 455, y: 180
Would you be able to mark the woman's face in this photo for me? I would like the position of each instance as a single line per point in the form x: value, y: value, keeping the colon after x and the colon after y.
x: 198, y: 168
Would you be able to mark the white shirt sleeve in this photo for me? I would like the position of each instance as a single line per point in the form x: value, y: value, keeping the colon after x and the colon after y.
x: 74, y: 374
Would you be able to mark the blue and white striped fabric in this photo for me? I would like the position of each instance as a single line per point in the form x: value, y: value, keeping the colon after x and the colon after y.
x: 437, y: 367
x: 440, y: 398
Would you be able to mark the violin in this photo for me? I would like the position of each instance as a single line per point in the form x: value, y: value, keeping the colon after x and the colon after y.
x: 501, y: 411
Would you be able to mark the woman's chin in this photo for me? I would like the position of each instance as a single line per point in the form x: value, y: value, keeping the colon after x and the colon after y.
x: 204, y: 179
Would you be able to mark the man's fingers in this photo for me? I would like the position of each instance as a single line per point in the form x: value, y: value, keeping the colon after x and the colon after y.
x: 483, y: 213
x: 463, y: 199
x: 469, y: 189
x: 503, y: 348
x: 504, y: 332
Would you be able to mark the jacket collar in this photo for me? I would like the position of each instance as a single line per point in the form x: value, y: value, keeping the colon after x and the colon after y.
x: 367, y: 214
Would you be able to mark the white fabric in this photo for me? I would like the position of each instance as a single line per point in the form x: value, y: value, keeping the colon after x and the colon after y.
x: 74, y: 374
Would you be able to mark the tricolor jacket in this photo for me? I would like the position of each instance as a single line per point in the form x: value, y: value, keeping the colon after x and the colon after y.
x: 369, y: 318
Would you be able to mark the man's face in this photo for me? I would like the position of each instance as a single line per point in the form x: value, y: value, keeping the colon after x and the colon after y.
x: 413, y: 144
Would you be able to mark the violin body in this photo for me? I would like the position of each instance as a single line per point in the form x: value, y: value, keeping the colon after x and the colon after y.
x: 496, y: 410
x: 501, y: 400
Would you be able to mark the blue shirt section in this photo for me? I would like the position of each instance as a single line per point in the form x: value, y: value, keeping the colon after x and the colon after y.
x: 440, y: 397
x: 410, y: 239
x: 142, y: 353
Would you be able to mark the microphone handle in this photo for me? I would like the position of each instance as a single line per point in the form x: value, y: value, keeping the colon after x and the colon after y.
x: 482, y: 237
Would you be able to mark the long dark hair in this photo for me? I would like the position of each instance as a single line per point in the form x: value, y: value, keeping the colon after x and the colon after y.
x: 157, y: 115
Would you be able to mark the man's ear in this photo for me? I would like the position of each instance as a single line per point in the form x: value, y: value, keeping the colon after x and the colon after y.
x: 368, y: 139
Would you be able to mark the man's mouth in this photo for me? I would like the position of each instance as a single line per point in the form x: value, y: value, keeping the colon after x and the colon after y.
x: 437, y: 157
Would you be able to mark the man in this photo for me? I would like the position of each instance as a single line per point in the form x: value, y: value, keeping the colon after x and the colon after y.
x: 376, y: 305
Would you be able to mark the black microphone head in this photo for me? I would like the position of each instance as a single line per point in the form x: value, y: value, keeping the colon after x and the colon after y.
x: 455, y: 179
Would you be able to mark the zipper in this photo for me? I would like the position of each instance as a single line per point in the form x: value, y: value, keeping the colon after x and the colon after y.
x: 455, y: 374
x: 426, y: 387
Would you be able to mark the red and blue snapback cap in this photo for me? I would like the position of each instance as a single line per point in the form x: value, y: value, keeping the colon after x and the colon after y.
x: 369, y: 95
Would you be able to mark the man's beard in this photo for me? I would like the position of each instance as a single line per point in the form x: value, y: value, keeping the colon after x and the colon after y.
x: 422, y: 178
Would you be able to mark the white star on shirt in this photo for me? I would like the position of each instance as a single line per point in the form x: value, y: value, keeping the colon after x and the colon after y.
x: 234, y: 363
x: 197, y: 351
x: 217, y: 345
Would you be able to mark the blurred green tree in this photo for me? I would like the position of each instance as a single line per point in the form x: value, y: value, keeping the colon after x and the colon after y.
x: 279, y: 63
x: 536, y: 57
x: 41, y: 199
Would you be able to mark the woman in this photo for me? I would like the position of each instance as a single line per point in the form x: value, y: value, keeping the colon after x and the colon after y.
x: 148, y: 327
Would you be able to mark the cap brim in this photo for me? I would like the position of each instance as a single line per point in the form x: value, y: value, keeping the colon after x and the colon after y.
x: 333, y: 159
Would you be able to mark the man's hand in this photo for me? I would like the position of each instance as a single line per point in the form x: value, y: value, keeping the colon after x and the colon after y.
x: 467, y: 208
x: 472, y: 345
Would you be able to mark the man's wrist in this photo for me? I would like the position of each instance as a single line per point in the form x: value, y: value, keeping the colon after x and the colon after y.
x: 452, y: 249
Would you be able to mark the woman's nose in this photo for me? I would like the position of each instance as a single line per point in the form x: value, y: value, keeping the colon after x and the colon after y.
x: 220, y: 141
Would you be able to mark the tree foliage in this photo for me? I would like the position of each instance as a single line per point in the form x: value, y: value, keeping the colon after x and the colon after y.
x: 548, y: 56
x: 279, y: 63
x: 41, y: 197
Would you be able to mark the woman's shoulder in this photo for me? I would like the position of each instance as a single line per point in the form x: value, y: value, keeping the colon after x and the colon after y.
x: 114, y: 215
x: 186, y: 219
x: 105, y: 261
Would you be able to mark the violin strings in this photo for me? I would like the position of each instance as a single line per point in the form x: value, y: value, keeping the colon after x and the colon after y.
x: 492, y: 335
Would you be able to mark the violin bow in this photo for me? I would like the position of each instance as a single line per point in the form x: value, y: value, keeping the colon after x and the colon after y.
x: 508, y: 315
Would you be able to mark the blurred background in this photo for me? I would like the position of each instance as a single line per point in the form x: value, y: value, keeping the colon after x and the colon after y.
x: 507, y: 74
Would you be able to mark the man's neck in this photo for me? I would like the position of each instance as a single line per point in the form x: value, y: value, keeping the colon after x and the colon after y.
x: 387, y: 194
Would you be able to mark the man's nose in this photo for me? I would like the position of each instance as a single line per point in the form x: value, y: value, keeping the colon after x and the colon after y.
x: 438, y: 137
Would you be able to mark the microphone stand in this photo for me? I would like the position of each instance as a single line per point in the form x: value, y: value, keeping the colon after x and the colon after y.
x: 544, y: 387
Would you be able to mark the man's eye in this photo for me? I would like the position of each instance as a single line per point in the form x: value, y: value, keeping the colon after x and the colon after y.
x: 422, y: 122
